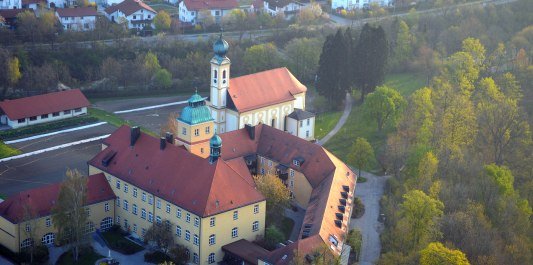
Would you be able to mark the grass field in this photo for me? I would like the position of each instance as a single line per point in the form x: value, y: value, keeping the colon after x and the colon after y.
x: 325, y: 122
x: 358, y: 126
x: 170, y: 9
x: 7, y: 151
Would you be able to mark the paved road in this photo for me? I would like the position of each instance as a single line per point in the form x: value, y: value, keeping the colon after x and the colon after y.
x: 370, y: 193
x: 347, y: 109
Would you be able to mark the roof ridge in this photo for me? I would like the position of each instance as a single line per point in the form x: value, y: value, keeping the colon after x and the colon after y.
x: 210, y: 188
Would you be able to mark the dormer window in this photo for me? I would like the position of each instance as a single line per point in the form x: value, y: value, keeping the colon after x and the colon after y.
x: 296, y: 162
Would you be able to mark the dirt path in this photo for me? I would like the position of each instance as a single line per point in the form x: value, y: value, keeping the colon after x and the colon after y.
x: 347, y: 109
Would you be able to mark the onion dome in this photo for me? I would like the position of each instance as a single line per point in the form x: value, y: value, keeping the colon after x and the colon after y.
x: 196, y: 112
x: 220, y: 47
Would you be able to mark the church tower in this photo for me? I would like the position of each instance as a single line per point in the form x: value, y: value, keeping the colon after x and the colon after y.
x: 220, y: 75
x: 195, y: 126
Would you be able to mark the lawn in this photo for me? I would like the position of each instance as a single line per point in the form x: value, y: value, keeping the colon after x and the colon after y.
x: 170, y: 9
x: 358, y: 126
x: 116, y: 241
x: 7, y: 151
x: 325, y: 122
x: 87, y: 257
x: 114, y: 119
x: 286, y: 226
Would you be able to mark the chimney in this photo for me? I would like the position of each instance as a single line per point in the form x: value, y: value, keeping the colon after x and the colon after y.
x: 135, y: 132
x: 170, y: 137
x: 162, y: 143
x: 251, y: 131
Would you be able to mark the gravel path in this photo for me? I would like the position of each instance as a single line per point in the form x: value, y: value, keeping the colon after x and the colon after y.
x: 347, y: 109
x: 370, y: 193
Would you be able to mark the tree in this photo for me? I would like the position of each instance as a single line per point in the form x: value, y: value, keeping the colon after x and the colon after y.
x: 404, y: 44
x: 361, y: 154
x: 276, y: 193
x: 332, y: 74
x: 355, y: 240
x: 28, y: 25
x: 236, y: 19
x: 30, y: 219
x: 162, y: 21
x: 206, y: 18
x: 163, y: 78
x: 160, y: 234
x: 420, y: 212
x: 383, y: 106
x: 13, y: 71
x: 309, y: 14
x: 179, y: 254
x: 69, y: 214
x: 303, y: 56
x: 437, y: 254
x: 370, y: 59
x: 273, y: 236
x: 261, y: 57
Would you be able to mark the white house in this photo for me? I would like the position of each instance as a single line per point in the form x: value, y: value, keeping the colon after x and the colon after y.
x: 43, y: 108
x: 301, y: 123
x: 77, y: 19
x: 189, y: 10
x: 273, y: 7
x: 353, y: 4
x: 10, y: 4
x: 137, y: 14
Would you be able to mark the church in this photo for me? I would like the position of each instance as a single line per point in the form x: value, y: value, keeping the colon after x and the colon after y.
x: 273, y: 97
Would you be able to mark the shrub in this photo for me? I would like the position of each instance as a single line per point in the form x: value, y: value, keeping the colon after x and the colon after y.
x: 273, y: 236
x: 156, y: 257
x: 40, y: 255
x: 358, y: 208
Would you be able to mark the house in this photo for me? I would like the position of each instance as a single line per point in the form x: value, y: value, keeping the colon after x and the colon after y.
x: 11, y: 4
x: 77, y: 19
x: 267, y: 97
x: 10, y: 16
x: 354, y: 4
x: 34, y: 4
x: 189, y: 10
x: 30, y: 213
x: 273, y: 7
x: 43, y: 108
x: 136, y: 13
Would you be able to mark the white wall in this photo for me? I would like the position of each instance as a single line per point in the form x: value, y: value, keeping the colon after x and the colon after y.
x: 10, y: 4
x: 232, y: 120
x: 77, y: 23
x: 39, y: 119
x: 140, y: 14
x: 304, y: 129
x: 266, y: 114
x: 352, y: 4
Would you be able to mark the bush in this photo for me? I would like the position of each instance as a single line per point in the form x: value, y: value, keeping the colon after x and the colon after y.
x: 156, y: 257
x: 273, y: 236
x: 358, y: 208
x: 115, y: 239
x: 40, y: 255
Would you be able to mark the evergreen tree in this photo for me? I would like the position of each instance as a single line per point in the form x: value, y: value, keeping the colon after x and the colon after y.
x: 332, y: 75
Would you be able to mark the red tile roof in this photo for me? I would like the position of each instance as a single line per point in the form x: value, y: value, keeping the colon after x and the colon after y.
x: 178, y: 176
x: 210, y: 4
x: 43, y: 104
x: 77, y: 12
x: 129, y: 7
x: 246, y: 250
x: 275, y: 86
x: 41, y: 200
x: 12, y: 13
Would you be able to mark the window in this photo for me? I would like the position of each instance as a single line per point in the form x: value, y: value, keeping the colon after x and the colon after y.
x: 125, y: 205
x: 269, y: 163
x: 143, y: 213
x: 66, y: 112
x: 151, y: 200
x: 215, y: 76
x: 126, y: 188
x: 158, y: 204
x: 188, y: 218
x: 28, y: 242
x: 291, y: 172
x: 168, y: 208
x: 55, y: 114
x: 149, y: 16
x: 184, y: 131
x: 158, y: 220
x: 33, y: 118
x: 106, y: 207
x: 118, y: 220
x: 212, y: 240
x: 234, y: 232
x: 301, y: 123
x: 143, y: 232
x: 211, y: 258
x: 207, y: 130
x: 135, y: 192
x: 308, y: 122
x: 134, y: 228
x: 88, y: 211
x: 106, y: 223
x: 235, y: 215
x: 291, y: 183
x: 44, y: 116
x: 134, y: 17
x: 307, y: 133
x: 256, y: 209
x: 196, y: 240
x: 77, y: 110
x: 217, y: 13
x: 255, y: 226
x: 118, y: 184
x: 196, y: 132
x: 195, y: 258
x: 126, y: 225
x: 178, y: 213
x: 196, y: 221
x: 212, y: 221
x: 134, y: 209
x: 22, y: 120
x: 262, y: 171
x: 224, y: 75
x: 296, y: 162
x: 48, y: 222
x: 150, y: 217
x: 201, y: 150
x: 187, y: 235
x: 144, y: 197
x: 178, y: 231
x: 118, y: 201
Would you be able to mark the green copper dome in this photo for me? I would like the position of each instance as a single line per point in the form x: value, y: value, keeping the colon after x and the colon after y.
x: 215, y: 141
x: 196, y: 112
x: 220, y: 47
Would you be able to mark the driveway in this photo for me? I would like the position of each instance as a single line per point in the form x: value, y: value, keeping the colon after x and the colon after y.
x: 370, y: 193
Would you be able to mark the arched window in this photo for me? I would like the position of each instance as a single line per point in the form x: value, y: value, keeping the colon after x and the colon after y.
x: 89, y: 227
x: 215, y: 76
x: 224, y: 74
x: 28, y: 242
x: 48, y: 239
x: 211, y: 258
x: 106, y: 223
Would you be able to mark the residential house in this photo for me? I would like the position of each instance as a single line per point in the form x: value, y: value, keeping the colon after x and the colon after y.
x: 10, y: 4
x: 49, y: 107
x: 273, y: 7
x: 136, y: 13
x: 190, y: 10
x: 10, y: 16
x: 77, y: 19
x: 34, y: 4
x: 357, y: 4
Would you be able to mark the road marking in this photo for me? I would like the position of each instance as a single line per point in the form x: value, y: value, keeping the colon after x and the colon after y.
x: 151, y: 107
x: 53, y: 148
x: 54, y: 133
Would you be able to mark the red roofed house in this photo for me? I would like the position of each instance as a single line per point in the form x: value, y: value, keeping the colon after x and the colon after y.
x: 274, y: 97
x: 54, y: 106
x: 189, y: 10
x: 136, y: 13
x: 32, y: 209
x: 78, y: 19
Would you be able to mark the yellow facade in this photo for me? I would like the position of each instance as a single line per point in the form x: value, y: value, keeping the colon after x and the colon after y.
x: 195, y: 137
